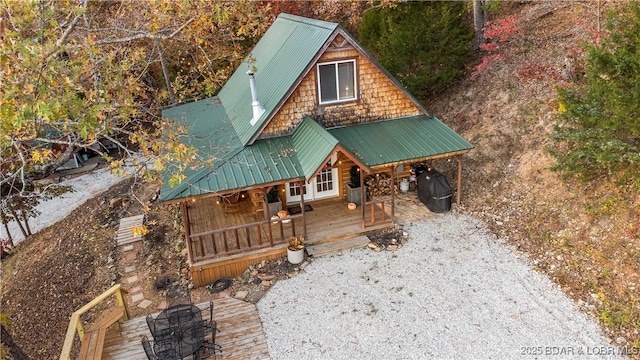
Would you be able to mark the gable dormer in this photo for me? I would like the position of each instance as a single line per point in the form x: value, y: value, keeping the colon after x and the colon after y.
x: 344, y: 86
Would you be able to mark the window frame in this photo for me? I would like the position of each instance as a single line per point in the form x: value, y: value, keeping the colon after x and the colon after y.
x: 335, y: 63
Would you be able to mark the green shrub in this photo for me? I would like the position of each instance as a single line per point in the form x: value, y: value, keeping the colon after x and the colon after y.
x: 598, y: 128
x: 423, y: 44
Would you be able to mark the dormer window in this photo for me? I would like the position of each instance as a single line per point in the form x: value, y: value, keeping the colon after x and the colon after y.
x: 337, y: 81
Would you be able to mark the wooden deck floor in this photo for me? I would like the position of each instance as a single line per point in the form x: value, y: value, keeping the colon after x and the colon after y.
x: 240, y: 336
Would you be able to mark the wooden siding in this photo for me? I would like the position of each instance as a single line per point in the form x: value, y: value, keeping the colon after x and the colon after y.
x: 378, y: 98
x: 205, y: 273
x: 240, y: 336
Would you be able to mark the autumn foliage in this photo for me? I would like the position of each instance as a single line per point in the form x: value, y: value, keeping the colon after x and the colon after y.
x: 495, y: 33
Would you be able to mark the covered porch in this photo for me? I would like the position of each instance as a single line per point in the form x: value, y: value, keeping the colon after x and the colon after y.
x: 244, y: 236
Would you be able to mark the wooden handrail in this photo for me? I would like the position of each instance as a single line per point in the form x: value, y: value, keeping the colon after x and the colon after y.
x: 373, y: 204
x: 230, y: 233
x: 75, y: 324
x: 263, y: 222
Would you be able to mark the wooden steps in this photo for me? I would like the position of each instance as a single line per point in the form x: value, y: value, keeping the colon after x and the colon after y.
x: 95, y: 335
x: 125, y: 230
x: 332, y: 247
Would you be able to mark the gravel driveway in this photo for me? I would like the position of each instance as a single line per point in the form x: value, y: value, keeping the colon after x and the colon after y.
x: 453, y: 291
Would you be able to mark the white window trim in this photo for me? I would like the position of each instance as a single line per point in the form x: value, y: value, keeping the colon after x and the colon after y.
x: 355, y: 82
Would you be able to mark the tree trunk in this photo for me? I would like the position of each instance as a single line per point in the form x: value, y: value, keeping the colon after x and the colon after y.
x: 5, y: 222
x: 26, y: 221
x: 479, y: 18
x: 167, y: 77
x: 17, y: 219
x: 15, y: 353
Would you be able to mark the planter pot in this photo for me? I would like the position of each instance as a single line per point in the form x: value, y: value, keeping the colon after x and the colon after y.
x: 295, y: 256
x: 274, y: 207
x: 353, y: 194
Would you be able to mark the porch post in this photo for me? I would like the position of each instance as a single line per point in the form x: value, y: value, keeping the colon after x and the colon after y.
x: 363, y: 195
x: 459, y: 159
x: 304, y: 217
x: 187, y: 228
x: 393, y: 193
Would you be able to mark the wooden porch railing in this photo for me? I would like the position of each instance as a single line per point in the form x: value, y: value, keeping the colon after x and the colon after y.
x: 75, y: 324
x: 378, y: 210
x: 242, y: 238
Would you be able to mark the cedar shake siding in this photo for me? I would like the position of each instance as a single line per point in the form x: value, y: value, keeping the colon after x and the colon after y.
x: 378, y: 99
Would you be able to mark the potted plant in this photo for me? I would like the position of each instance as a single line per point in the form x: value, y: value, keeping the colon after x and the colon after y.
x: 295, y: 250
x: 353, y: 187
x: 273, y: 201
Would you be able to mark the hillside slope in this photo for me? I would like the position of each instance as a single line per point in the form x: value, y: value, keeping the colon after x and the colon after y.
x: 586, y: 237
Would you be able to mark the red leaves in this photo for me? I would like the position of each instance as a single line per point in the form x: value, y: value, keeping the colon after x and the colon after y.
x: 495, y: 32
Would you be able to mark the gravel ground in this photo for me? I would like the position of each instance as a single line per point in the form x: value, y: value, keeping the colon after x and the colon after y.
x: 85, y: 187
x: 453, y: 291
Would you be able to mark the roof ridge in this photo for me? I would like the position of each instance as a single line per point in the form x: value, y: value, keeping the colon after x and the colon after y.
x: 309, y: 21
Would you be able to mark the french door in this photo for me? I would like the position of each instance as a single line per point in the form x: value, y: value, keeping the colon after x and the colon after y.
x: 324, y: 185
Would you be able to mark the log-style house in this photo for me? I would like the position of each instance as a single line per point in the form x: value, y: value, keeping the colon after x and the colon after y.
x: 307, y: 110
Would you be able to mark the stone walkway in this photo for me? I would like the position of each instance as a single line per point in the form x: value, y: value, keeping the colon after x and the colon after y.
x: 127, y: 239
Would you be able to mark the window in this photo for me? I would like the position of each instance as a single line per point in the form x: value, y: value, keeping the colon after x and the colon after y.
x: 337, y: 81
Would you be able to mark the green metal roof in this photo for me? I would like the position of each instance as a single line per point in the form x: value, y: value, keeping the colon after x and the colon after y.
x: 220, y: 127
x: 266, y: 161
x: 398, y: 140
x: 209, y: 131
x: 280, y: 58
x: 313, y: 145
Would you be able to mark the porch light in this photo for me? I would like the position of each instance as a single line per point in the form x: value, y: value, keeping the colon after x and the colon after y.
x: 218, y: 202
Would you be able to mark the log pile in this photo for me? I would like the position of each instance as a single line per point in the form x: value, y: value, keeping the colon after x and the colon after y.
x: 379, y: 185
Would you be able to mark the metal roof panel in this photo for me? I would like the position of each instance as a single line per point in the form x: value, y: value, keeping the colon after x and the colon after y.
x: 398, y: 140
x: 280, y: 58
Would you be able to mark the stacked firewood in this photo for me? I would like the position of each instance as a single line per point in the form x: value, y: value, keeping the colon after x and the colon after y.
x: 379, y: 185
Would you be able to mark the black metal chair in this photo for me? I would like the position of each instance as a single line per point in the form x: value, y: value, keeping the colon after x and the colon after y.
x: 209, y: 345
x: 151, y: 355
x: 148, y: 349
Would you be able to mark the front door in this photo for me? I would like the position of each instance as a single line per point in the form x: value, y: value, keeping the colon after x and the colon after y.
x: 324, y: 185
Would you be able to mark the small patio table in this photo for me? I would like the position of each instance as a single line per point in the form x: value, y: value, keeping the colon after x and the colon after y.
x: 182, y: 330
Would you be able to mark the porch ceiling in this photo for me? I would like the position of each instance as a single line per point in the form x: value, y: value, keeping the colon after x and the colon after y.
x: 397, y: 140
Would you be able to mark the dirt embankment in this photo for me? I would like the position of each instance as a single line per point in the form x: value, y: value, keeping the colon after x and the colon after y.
x: 584, y: 236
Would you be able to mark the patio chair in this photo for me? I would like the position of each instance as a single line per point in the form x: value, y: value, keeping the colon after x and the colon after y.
x: 209, y: 346
x: 151, y: 355
x: 257, y: 199
x: 231, y: 203
x: 148, y: 349
x: 211, y: 325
